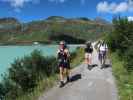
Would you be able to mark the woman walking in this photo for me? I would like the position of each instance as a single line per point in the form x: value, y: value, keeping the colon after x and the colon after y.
x: 63, y: 62
x: 102, y: 49
x: 88, y: 53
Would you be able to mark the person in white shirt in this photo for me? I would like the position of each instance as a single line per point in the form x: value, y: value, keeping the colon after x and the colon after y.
x: 102, y: 52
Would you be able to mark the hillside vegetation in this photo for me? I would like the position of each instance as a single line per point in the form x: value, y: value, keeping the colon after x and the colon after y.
x: 30, y: 76
x: 52, y: 30
x: 121, y: 44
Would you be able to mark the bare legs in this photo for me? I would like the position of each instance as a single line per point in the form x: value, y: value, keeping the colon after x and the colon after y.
x: 61, y: 73
x: 88, y: 59
x: 64, y: 72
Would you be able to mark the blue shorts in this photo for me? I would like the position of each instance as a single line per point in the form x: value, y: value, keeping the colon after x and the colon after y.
x: 101, y: 55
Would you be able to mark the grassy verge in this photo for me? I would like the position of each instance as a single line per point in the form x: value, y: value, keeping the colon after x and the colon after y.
x: 44, y: 84
x: 47, y: 83
x: 78, y: 58
x: 124, y: 79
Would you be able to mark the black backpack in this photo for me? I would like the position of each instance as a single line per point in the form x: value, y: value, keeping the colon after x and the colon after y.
x: 89, y: 49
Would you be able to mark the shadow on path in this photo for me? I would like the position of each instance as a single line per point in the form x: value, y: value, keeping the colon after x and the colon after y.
x: 75, y: 77
x: 90, y: 67
x: 106, y: 66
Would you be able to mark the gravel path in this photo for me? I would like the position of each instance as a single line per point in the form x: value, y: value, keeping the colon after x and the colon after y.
x: 94, y: 84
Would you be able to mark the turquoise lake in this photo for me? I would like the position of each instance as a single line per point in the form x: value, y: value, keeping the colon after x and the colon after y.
x: 9, y: 53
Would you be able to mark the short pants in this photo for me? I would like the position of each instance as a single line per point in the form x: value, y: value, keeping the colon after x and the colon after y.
x: 101, y: 53
x: 64, y: 64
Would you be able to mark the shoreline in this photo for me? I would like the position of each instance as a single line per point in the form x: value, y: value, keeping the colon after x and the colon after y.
x: 33, y: 44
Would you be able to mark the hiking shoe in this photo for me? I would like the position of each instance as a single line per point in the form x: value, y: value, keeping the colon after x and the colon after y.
x: 89, y: 67
x: 61, y: 84
x: 102, y: 66
x: 68, y: 79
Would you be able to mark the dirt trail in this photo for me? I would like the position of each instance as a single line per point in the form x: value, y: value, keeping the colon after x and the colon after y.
x: 94, y: 84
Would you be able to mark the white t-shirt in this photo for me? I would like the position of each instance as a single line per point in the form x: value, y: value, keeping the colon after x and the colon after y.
x: 103, y: 47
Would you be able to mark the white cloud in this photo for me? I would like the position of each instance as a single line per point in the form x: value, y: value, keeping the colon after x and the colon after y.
x: 18, y: 4
x: 113, y: 7
x: 103, y: 7
x: 130, y: 18
x: 122, y: 7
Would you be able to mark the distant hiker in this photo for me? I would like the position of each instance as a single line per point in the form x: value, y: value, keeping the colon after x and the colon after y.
x: 88, y: 53
x: 102, y: 52
x: 63, y: 62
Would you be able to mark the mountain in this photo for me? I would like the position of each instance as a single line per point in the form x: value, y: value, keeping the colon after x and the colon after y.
x: 9, y: 20
x: 56, y: 18
x: 9, y: 24
x: 101, y: 20
x: 52, y: 29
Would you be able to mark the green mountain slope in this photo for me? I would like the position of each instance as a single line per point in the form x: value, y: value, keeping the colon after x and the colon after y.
x: 52, y: 30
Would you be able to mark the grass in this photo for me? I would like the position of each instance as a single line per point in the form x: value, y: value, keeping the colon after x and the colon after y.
x: 47, y: 83
x: 78, y: 59
x: 44, y: 84
x: 123, y: 78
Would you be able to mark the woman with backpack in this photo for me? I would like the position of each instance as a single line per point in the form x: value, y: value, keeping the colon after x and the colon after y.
x: 88, y: 53
x: 63, y: 56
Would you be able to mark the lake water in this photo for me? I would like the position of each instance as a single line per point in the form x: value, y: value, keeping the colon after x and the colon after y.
x: 9, y: 53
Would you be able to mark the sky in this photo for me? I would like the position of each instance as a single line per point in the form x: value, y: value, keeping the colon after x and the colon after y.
x: 28, y: 10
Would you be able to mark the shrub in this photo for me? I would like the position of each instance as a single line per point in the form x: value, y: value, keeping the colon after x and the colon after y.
x: 25, y: 73
x: 120, y: 40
